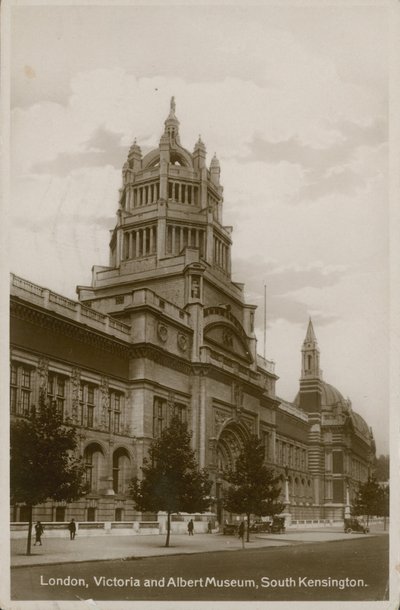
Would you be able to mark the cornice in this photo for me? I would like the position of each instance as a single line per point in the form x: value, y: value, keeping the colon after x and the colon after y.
x: 66, y: 327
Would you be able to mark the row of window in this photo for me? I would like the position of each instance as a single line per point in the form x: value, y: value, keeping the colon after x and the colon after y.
x: 21, y: 397
x: 290, y: 455
x: 163, y: 411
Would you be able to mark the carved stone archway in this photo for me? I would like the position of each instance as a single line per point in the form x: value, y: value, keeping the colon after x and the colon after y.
x: 229, y: 445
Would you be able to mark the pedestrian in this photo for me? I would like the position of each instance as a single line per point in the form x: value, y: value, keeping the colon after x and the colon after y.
x: 72, y: 529
x: 39, y: 529
x: 209, y: 527
x: 241, y: 530
x: 190, y: 527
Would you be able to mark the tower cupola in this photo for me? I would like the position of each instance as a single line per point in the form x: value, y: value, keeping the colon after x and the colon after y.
x: 215, y: 170
x: 135, y: 156
x: 172, y: 124
x: 310, y: 355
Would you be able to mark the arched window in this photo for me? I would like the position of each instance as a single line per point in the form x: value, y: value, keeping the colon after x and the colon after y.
x: 93, y: 458
x: 309, y: 360
x: 121, y: 470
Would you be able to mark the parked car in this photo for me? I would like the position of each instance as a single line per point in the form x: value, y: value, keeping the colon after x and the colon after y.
x: 353, y: 525
x: 278, y: 525
x: 230, y: 529
x: 260, y: 526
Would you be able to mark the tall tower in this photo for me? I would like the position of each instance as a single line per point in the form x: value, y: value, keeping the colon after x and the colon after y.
x: 169, y: 239
x: 311, y: 374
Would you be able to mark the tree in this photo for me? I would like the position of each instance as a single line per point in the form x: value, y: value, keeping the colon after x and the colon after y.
x: 254, y: 488
x: 369, y: 499
x: 382, y: 468
x: 171, y: 480
x: 43, y: 464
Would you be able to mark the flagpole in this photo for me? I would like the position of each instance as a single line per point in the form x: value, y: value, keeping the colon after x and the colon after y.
x: 265, y: 320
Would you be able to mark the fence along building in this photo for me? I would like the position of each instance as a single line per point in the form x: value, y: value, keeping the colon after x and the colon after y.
x: 164, y: 329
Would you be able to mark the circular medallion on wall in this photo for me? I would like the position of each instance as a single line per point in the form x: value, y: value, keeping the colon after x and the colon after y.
x: 182, y: 342
x: 162, y: 332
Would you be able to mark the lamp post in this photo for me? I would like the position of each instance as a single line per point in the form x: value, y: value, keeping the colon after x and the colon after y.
x: 286, y: 513
x: 347, y: 505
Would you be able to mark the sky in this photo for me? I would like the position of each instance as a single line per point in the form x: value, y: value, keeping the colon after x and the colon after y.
x: 294, y: 102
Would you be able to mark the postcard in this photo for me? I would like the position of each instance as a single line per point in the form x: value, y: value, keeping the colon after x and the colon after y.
x: 200, y: 286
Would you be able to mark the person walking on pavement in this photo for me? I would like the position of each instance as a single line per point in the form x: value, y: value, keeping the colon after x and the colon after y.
x: 72, y: 529
x: 209, y: 527
x: 241, y: 531
x: 190, y: 527
x: 39, y: 529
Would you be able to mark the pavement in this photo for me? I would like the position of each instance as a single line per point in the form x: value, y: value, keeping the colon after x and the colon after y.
x: 112, y: 547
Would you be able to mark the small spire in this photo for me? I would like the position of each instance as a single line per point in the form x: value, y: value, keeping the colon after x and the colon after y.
x: 214, y: 161
x: 172, y: 104
x: 199, y: 144
x: 310, y: 336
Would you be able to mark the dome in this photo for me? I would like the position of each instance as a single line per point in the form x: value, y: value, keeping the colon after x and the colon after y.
x: 360, y: 424
x: 330, y: 397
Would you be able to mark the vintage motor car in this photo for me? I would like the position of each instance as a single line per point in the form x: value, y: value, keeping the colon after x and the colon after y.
x: 278, y: 525
x: 260, y: 526
x: 353, y: 525
x: 230, y: 529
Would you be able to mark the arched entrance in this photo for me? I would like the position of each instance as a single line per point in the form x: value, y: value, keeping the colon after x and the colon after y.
x: 229, y: 446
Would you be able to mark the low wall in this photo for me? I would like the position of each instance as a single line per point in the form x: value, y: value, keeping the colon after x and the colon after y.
x: 87, y: 529
x: 179, y: 524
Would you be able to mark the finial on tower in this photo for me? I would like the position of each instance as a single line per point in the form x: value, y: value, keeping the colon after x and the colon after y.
x: 310, y: 335
x: 172, y: 104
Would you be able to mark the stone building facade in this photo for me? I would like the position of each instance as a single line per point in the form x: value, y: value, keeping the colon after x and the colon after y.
x: 164, y: 329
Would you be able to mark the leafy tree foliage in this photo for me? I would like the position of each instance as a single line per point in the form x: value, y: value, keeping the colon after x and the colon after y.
x: 43, y: 464
x: 382, y: 468
x: 371, y: 499
x: 171, y: 480
x: 254, y: 489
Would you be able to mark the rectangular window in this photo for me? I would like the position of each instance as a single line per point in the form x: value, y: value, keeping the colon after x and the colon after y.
x: 25, y: 402
x: 13, y: 400
x: 159, y: 408
x: 61, y: 386
x: 90, y: 395
x: 50, y: 385
x: 117, y: 420
x: 337, y: 462
x: 87, y: 401
x: 90, y: 416
x: 338, y: 491
x: 26, y: 378
x: 60, y: 407
x: 13, y: 374
x: 60, y: 513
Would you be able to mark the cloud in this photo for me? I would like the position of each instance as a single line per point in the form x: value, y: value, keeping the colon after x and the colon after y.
x: 335, y: 168
x: 283, y: 286
x: 101, y: 149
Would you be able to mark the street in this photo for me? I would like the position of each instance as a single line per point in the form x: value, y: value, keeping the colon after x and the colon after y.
x: 350, y: 570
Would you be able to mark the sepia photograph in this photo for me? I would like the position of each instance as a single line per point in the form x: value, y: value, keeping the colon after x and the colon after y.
x: 198, y: 262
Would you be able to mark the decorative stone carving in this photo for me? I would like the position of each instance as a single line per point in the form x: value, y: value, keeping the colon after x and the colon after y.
x: 162, y: 332
x: 182, y: 342
x: 75, y: 383
x: 227, y: 337
x: 43, y: 371
x: 219, y: 419
x: 237, y: 391
x: 104, y: 402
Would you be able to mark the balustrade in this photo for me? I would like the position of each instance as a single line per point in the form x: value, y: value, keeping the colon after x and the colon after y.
x: 178, y: 237
x: 139, y: 243
x: 183, y: 192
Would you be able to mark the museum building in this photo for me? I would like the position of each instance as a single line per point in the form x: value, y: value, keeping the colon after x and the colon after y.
x: 164, y: 329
